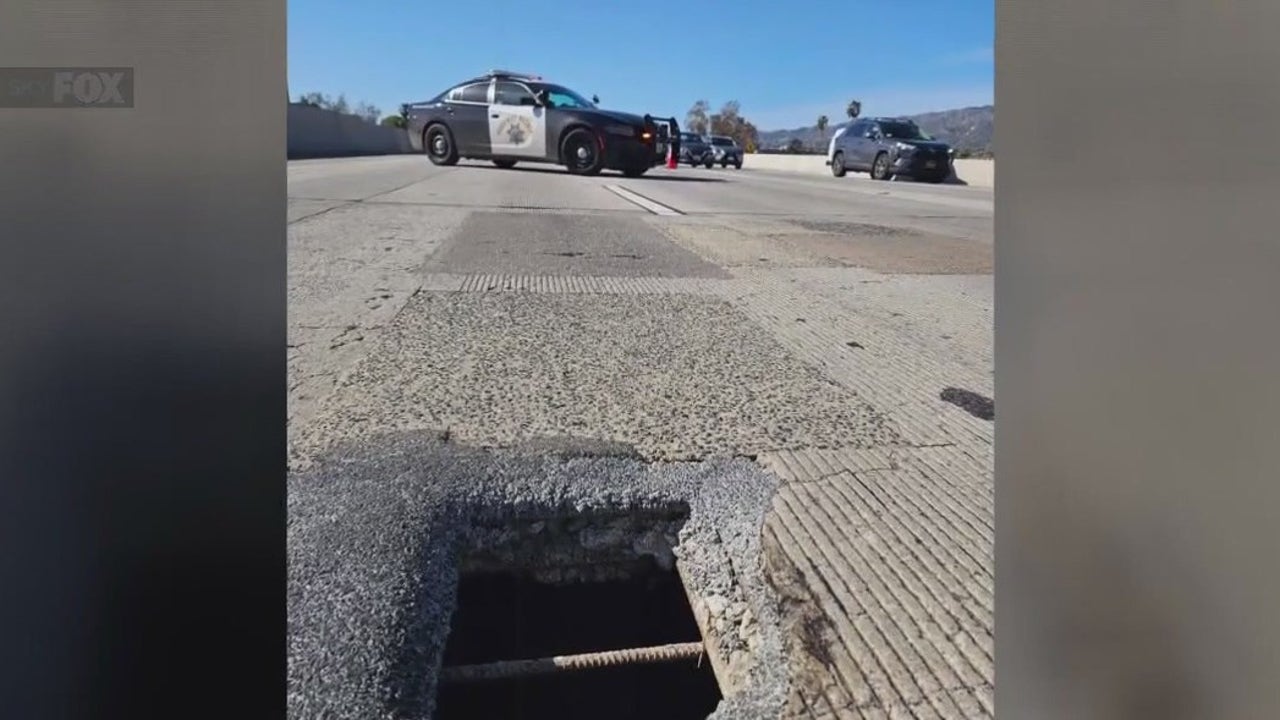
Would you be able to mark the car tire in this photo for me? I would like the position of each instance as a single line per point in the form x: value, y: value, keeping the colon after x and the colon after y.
x: 709, y: 164
x: 724, y: 163
x: 505, y: 164
x: 880, y: 167
x: 737, y: 164
x: 580, y: 153
x: 438, y: 143
x: 837, y: 164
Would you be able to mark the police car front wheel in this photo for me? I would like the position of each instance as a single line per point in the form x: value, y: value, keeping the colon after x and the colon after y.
x: 438, y: 142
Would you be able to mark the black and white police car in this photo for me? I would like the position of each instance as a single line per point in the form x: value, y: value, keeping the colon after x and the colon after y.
x: 508, y: 117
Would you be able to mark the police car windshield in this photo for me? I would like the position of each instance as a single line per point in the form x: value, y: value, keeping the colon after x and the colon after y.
x: 563, y: 97
x: 901, y: 131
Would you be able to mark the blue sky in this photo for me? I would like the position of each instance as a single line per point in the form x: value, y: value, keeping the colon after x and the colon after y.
x: 786, y: 64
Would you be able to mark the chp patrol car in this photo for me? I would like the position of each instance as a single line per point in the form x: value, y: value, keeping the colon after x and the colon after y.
x: 507, y: 117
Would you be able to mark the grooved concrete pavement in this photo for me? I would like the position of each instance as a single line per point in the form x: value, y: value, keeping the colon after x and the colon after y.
x: 809, y: 324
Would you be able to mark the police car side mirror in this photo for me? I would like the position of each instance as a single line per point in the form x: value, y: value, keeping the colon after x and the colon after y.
x: 541, y: 97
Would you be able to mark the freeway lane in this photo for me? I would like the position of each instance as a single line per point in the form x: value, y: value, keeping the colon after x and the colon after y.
x: 836, y: 332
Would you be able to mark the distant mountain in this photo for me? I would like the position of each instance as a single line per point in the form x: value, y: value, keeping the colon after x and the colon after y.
x: 967, y: 130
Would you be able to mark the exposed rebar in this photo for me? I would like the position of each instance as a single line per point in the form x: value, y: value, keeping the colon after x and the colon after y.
x: 562, y: 663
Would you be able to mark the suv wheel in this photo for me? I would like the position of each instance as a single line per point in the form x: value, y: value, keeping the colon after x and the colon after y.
x: 709, y: 163
x: 880, y: 167
x: 837, y: 164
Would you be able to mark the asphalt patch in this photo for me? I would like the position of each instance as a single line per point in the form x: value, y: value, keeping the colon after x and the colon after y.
x: 850, y: 228
x: 979, y: 406
x: 545, y: 244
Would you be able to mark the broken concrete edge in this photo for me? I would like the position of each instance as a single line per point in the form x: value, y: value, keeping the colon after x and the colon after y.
x: 374, y: 536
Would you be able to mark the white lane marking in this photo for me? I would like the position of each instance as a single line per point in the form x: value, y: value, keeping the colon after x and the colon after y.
x: 656, y: 208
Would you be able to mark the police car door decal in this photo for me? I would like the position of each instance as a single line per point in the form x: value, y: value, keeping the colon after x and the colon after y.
x: 516, y: 130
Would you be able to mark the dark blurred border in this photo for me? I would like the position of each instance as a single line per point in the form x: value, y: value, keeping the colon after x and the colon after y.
x: 142, y: 366
x: 1138, y: 360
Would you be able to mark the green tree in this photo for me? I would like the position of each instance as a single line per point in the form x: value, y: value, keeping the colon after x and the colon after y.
x: 314, y: 99
x: 696, y: 121
x: 795, y: 146
x: 854, y: 109
x: 822, y: 126
x: 730, y: 122
x: 395, y: 121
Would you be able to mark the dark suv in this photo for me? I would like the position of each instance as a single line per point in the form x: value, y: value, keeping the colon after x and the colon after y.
x: 725, y: 151
x: 888, y: 147
x: 694, y: 150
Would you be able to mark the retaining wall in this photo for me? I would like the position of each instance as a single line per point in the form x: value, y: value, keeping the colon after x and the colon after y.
x: 315, y: 132
x: 980, y: 173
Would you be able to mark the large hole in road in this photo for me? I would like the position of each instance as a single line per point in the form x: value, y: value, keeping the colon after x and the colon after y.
x: 574, y: 617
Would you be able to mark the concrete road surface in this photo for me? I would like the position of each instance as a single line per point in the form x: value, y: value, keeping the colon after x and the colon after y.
x: 833, y: 334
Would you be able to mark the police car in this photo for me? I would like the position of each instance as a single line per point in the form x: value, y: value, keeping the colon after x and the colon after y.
x: 507, y: 117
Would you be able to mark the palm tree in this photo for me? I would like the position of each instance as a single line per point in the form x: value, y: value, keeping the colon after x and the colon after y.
x: 854, y: 109
x: 822, y: 127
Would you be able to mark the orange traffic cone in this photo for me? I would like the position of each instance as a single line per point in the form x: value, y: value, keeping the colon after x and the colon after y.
x: 671, y: 158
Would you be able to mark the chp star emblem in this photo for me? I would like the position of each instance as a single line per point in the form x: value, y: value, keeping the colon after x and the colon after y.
x: 518, y: 130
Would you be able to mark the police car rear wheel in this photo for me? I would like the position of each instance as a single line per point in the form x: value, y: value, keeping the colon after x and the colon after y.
x: 439, y: 145
x: 837, y: 165
x: 580, y: 153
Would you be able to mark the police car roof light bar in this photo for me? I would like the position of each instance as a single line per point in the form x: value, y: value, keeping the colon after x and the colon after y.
x: 513, y: 74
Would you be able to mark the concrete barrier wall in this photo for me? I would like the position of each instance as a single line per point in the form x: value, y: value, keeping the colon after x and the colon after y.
x: 314, y: 132
x: 980, y: 173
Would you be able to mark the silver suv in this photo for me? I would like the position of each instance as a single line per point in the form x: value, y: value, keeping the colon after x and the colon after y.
x: 888, y: 147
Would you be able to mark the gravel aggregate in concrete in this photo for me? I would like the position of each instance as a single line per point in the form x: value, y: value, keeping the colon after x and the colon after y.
x: 678, y: 377
x: 373, y: 538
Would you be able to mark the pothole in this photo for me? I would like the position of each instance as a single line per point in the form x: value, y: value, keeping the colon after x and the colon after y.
x: 573, y: 616
x: 381, y: 533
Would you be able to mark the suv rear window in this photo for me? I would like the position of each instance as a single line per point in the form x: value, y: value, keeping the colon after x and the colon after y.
x: 724, y: 141
x: 901, y: 130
